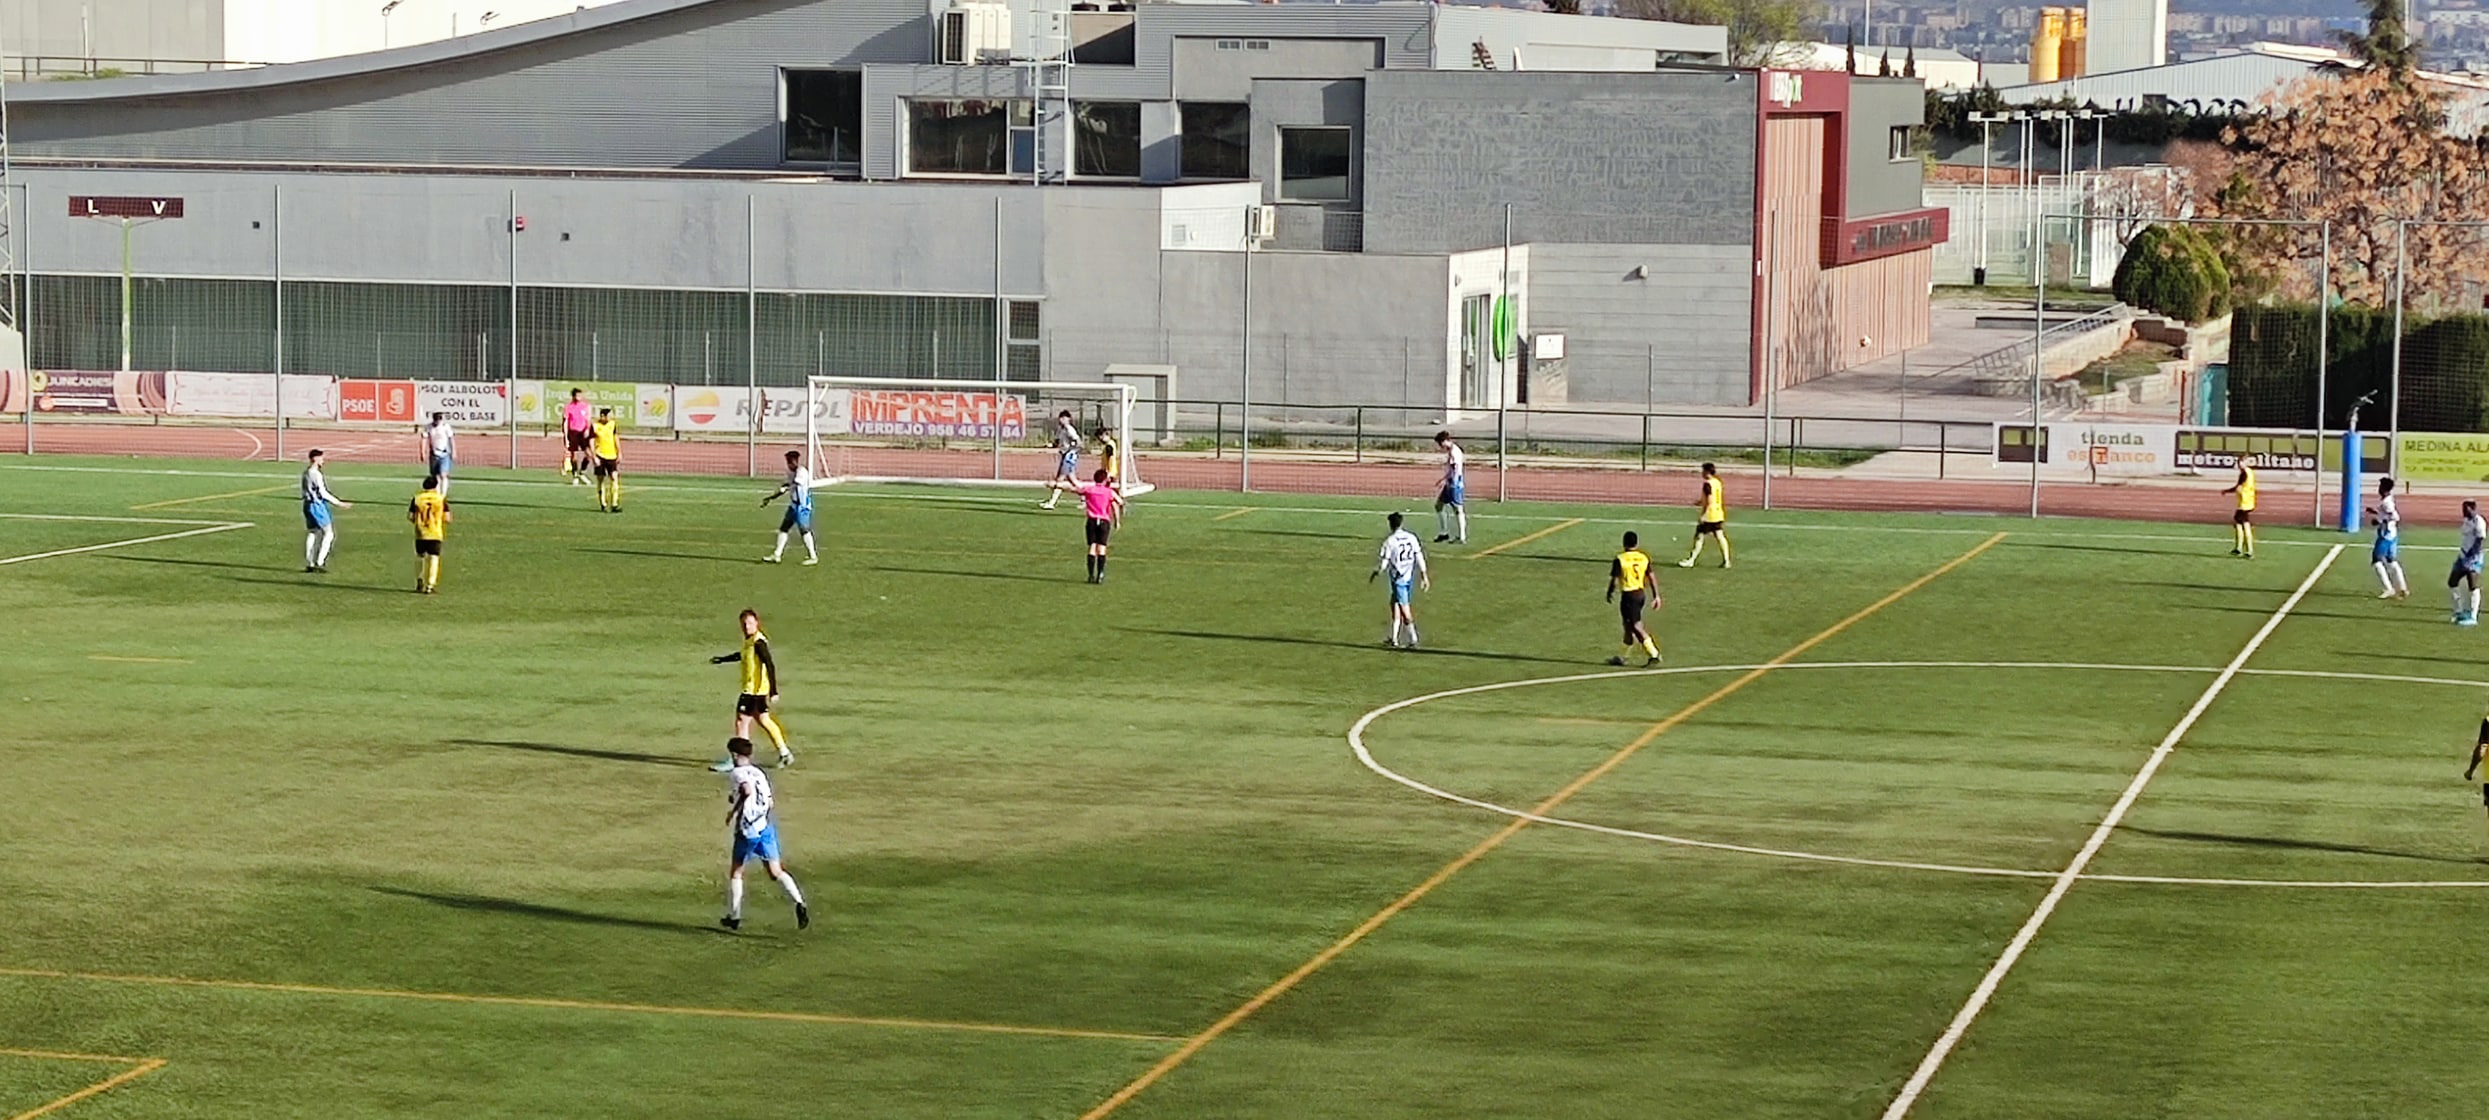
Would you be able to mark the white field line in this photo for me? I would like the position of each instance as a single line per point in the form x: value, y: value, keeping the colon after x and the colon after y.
x: 115, y: 520
x: 1383, y: 506
x: 1986, y: 990
x: 1356, y: 742
x: 227, y: 527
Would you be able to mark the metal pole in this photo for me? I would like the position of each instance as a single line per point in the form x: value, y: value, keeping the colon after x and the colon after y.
x: 1771, y: 337
x: 751, y: 345
x: 2324, y: 325
x: 1244, y: 384
x: 2039, y: 354
x: 1503, y: 304
x: 1002, y: 338
x: 276, y: 268
x: 2394, y: 395
x: 125, y: 295
x: 25, y: 310
x: 1901, y: 431
x: 1986, y: 188
x: 513, y: 229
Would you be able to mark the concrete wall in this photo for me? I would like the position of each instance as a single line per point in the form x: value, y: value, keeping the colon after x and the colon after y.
x: 1877, y: 183
x: 1677, y: 335
x: 1328, y: 328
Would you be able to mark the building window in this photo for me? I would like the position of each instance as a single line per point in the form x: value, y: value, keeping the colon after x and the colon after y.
x: 1897, y: 143
x: 1313, y: 164
x: 822, y: 117
x: 1106, y: 139
x: 962, y: 137
x: 1217, y: 139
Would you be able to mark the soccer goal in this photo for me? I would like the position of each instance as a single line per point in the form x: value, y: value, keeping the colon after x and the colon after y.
x: 884, y: 429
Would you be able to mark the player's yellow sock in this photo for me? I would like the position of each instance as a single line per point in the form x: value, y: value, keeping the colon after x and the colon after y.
x: 1651, y: 647
x: 432, y: 572
x: 1697, y: 550
x: 2248, y: 533
x: 777, y: 734
x: 1624, y: 651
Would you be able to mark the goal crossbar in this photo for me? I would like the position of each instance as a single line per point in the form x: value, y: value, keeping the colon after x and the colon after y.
x: 959, y: 431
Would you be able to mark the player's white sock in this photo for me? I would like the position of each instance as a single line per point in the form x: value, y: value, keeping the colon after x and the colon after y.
x: 734, y: 896
x: 311, y: 550
x: 2475, y: 603
x: 775, y: 552
x: 2402, y: 584
x: 1443, y: 521
x: 1395, y: 629
x: 328, y: 540
x: 786, y: 883
x: 1413, y: 635
x: 1463, y: 535
x: 2456, y: 594
x: 809, y: 550
x: 2385, y: 578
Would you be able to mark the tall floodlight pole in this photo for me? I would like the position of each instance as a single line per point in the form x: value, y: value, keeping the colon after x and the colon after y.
x: 1986, y: 144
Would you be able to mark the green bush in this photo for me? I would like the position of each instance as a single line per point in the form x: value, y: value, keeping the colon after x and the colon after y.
x: 2174, y: 271
x: 2273, y: 369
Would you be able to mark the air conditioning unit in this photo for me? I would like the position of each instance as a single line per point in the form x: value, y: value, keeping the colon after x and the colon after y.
x: 1262, y: 223
x: 973, y: 33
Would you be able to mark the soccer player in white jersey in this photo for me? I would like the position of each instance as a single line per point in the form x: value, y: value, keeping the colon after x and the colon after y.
x: 751, y: 815
x: 2463, y: 583
x: 1454, y: 494
x: 318, y: 532
x: 1404, y: 561
x: 2386, y: 556
x: 1066, y: 457
x: 798, y: 492
x: 440, y: 449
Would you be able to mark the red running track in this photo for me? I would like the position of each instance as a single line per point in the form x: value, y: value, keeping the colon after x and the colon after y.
x: 1672, y: 486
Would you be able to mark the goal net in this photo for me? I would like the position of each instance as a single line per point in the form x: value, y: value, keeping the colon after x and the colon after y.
x: 881, y: 429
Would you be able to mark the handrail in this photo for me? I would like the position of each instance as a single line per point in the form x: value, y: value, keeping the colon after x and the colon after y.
x: 2016, y: 355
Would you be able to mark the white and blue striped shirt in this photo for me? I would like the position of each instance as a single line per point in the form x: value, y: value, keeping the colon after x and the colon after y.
x: 1402, y: 558
x: 799, y: 488
x: 748, y: 794
x: 315, y: 488
x: 2389, y: 519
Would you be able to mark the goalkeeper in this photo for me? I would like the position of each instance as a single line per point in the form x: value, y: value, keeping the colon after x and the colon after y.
x: 798, y: 492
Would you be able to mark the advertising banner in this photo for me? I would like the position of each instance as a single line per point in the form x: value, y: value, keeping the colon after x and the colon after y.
x: 634, y: 405
x: 376, y: 402
x: 934, y: 415
x: 2108, y: 449
x: 90, y: 391
x: 2443, y: 457
x: 481, y: 404
x: 2221, y: 449
x: 727, y: 409
x: 191, y: 393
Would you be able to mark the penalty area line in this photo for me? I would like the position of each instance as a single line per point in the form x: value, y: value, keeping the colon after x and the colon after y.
x: 1980, y: 996
x: 142, y: 1068
x: 225, y: 527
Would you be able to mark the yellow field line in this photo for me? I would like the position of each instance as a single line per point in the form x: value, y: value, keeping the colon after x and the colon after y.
x: 591, y: 1005
x: 139, y: 660
x: 1235, y: 513
x: 144, y: 1067
x: 1526, y: 538
x: 210, y: 497
x: 1444, y: 874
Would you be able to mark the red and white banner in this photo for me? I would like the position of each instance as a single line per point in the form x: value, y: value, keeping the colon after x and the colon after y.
x: 728, y: 408
x: 931, y: 414
x: 376, y: 402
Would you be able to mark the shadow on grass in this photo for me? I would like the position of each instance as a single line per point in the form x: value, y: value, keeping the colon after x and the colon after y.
x: 583, y: 752
x: 669, y: 555
x: 2429, y: 621
x: 973, y: 575
x: 2128, y: 551
x: 201, y: 563
x: 1377, y: 647
x: 310, y: 580
x: 488, y: 905
x: 2236, y: 841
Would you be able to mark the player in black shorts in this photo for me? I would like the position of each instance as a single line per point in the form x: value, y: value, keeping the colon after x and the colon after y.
x: 2471, y: 773
x: 1629, y: 587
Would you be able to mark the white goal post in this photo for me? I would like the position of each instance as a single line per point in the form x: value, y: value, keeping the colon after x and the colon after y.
x: 958, y: 432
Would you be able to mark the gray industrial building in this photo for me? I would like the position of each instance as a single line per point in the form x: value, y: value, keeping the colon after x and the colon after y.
x: 692, y: 189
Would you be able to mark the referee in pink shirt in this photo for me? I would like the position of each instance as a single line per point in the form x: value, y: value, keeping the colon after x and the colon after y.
x: 575, y: 439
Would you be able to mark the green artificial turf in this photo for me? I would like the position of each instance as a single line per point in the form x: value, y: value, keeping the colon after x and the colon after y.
x: 1022, y: 801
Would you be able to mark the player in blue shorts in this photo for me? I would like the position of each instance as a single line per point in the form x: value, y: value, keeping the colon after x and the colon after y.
x: 1067, y: 457
x: 751, y: 815
x: 2386, y: 556
x: 2463, y: 583
x: 1451, y: 501
x: 1404, y: 561
x: 319, y: 533
x: 798, y: 491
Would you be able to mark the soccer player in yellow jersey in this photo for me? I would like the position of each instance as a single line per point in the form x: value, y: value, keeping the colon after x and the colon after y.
x: 1712, y: 521
x: 2480, y: 748
x: 760, y: 688
x: 2243, y: 523
x: 1630, y: 577
x: 1112, y: 456
x: 607, y: 443
x: 430, y: 513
